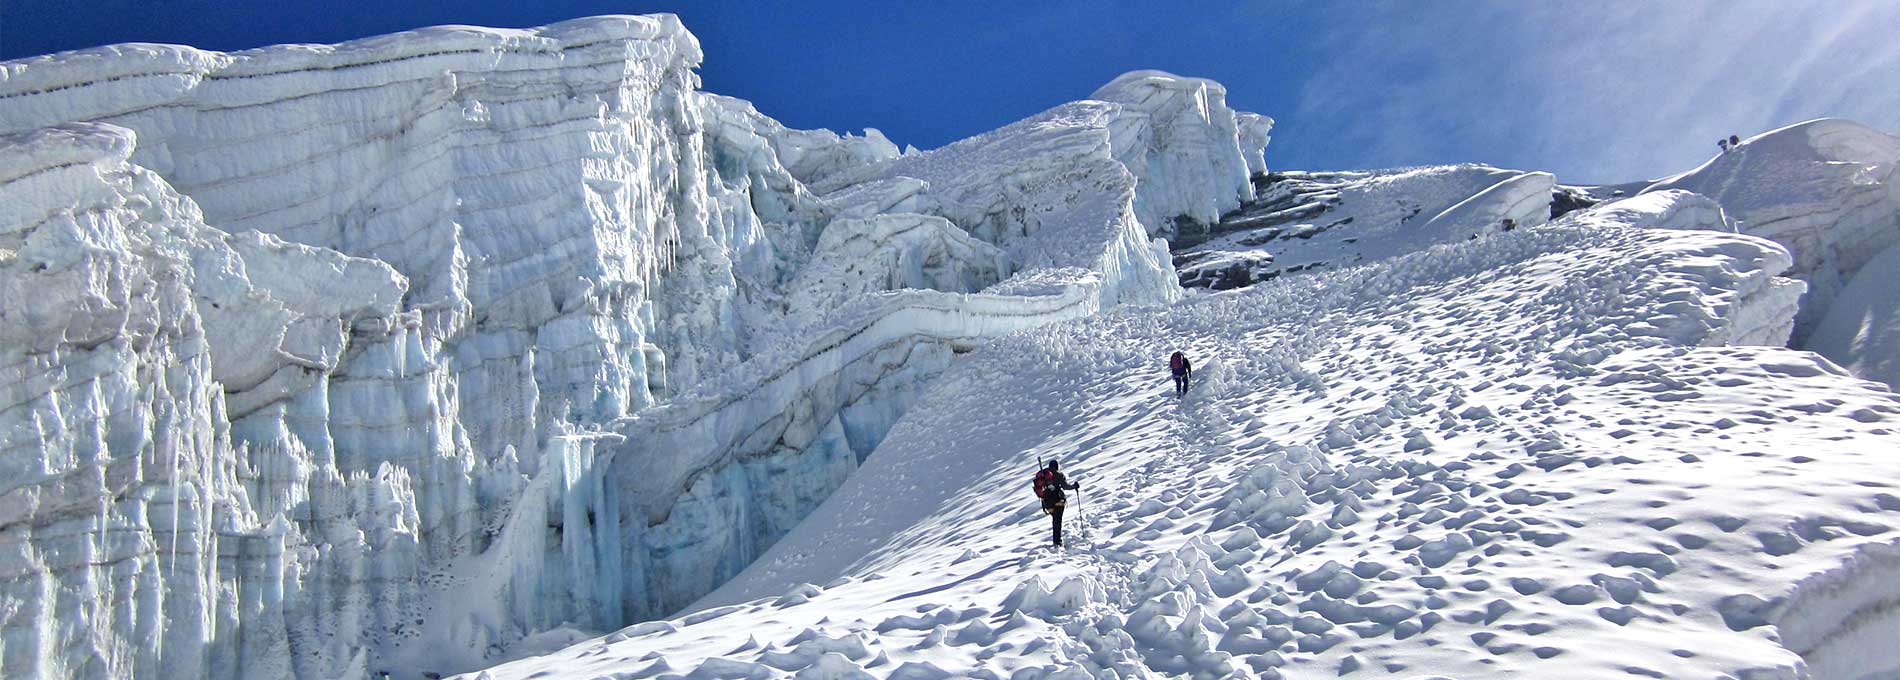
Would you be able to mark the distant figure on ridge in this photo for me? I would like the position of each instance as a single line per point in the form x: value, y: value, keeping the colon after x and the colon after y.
x: 1049, y: 485
x: 1734, y: 141
x: 1183, y: 370
x: 1722, y: 143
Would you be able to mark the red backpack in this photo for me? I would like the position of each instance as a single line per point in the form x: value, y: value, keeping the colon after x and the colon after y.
x: 1043, y: 477
x: 1174, y: 362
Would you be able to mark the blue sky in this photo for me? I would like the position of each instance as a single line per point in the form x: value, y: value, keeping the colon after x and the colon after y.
x: 1603, y: 91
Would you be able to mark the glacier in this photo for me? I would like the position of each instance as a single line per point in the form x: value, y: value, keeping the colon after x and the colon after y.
x: 1305, y: 221
x: 459, y: 338
x: 463, y: 346
x: 1823, y: 188
x: 1573, y: 450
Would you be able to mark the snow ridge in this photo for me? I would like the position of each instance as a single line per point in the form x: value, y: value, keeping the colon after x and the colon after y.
x: 1304, y: 221
x: 1823, y: 188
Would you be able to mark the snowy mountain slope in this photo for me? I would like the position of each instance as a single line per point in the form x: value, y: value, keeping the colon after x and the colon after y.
x: 1529, y: 453
x: 434, y: 274
x: 1824, y: 189
x: 691, y: 490
x: 427, y: 351
x: 1303, y: 221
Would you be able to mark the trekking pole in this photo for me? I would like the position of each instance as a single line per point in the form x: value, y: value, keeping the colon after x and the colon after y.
x: 1089, y: 535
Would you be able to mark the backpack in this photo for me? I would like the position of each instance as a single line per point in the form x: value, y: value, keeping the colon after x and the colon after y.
x: 1175, y: 362
x: 1043, y: 477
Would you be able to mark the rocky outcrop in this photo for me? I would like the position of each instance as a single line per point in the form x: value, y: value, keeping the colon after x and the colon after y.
x: 1305, y: 221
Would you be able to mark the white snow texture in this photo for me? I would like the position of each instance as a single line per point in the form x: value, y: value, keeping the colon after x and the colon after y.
x: 452, y: 350
x: 322, y: 360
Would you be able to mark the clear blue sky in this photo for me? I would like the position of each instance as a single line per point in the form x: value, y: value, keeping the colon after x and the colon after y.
x: 1595, y: 91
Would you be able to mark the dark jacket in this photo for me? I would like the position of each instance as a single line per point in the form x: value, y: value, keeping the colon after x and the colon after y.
x: 1052, y: 491
x: 1186, y: 368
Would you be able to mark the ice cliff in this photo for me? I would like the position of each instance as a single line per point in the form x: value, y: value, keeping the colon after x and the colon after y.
x: 322, y: 359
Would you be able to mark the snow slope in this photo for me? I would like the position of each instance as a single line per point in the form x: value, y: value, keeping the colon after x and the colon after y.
x: 1548, y: 452
x: 1825, y: 189
x: 325, y: 359
x: 428, y: 351
x: 687, y: 493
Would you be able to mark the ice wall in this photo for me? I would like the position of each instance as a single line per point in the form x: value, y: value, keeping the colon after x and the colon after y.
x: 1063, y: 202
x: 142, y: 536
x: 1862, y: 328
x: 395, y: 354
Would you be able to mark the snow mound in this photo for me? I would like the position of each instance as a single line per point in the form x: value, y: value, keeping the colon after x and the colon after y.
x: 1825, y: 189
x: 1535, y: 452
x: 1669, y: 209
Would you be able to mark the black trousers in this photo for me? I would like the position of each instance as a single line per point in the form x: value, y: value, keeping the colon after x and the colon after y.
x: 1180, y: 383
x: 1055, y: 517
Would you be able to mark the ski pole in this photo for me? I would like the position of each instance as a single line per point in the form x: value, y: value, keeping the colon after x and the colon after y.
x: 1078, y: 507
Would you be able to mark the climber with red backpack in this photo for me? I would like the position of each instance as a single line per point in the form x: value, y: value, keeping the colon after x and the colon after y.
x: 1183, y: 370
x: 1049, y: 485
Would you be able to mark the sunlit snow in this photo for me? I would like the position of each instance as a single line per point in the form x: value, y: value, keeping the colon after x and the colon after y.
x: 512, y: 353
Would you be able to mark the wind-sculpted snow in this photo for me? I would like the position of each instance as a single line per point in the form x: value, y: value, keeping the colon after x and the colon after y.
x: 1824, y: 188
x: 419, y: 351
x: 1533, y: 453
x: 1669, y: 209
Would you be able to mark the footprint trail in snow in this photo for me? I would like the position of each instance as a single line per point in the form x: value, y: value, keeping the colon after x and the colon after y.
x: 1535, y: 453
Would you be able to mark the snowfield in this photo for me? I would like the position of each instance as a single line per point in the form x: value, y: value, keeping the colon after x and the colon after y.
x: 1545, y: 453
x: 513, y: 354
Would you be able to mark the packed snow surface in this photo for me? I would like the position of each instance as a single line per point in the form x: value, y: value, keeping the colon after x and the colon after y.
x: 1545, y: 453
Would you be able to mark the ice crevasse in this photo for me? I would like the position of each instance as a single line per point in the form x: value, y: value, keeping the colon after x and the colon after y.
x: 325, y: 358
